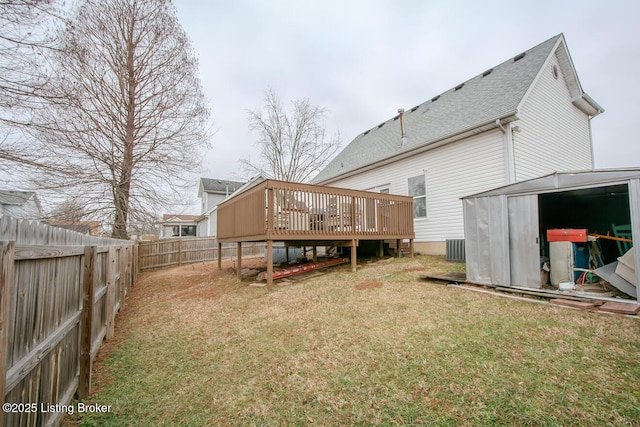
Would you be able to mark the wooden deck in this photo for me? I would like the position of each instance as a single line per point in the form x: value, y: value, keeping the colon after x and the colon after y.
x: 313, y: 215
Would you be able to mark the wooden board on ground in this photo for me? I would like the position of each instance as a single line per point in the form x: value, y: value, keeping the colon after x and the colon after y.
x: 620, y: 307
x: 447, y: 277
x: 571, y: 303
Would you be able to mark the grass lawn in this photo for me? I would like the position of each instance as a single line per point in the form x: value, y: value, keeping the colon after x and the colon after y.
x: 379, y: 347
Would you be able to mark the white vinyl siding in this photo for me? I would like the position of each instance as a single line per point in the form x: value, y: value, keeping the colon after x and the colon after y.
x: 552, y: 134
x: 210, y: 200
x: 28, y: 210
x: 462, y: 168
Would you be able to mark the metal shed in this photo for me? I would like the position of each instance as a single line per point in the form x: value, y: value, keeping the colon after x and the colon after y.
x: 505, y: 228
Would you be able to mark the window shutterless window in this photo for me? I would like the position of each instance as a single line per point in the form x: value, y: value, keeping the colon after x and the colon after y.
x: 418, y: 189
x: 188, y: 230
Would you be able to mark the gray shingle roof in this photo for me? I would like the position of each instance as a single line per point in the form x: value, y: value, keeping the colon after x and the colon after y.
x: 219, y: 186
x: 489, y: 96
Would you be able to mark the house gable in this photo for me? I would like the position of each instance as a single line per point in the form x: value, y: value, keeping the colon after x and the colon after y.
x: 214, y: 191
x: 554, y: 130
x: 20, y: 204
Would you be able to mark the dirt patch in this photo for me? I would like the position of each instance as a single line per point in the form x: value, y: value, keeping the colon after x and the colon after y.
x: 368, y: 284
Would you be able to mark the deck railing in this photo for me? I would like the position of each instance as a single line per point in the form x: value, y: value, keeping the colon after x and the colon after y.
x: 278, y: 210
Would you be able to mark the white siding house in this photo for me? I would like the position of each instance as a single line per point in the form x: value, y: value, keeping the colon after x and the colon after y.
x: 173, y: 226
x: 20, y: 204
x: 520, y: 119
x: 212, y: 192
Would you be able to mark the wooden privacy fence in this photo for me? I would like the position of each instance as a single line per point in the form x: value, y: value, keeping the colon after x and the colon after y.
x: 60, y: 292
x: 163, y: 253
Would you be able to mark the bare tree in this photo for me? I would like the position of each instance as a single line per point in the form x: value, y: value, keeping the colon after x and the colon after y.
x: 25, y: 38
x: 129, y: 118
x: 71, y: 210
x: 294, y: 145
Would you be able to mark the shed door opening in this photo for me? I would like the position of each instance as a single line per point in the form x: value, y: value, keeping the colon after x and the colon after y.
x: 596, y: 209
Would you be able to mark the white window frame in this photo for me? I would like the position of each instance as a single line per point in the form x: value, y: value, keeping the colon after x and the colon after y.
x: 418, y: 196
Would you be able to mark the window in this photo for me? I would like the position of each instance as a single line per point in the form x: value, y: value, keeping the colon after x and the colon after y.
x: 188, y: 230
x: 384, y: 191
x: 418, y: 189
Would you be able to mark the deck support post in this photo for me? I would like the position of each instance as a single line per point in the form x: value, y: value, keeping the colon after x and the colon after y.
x: 220, y: 256
x: 381, y: 249
x: 239, y: 256
x: 269, y: 264
x: 354, y: 255
x: 315, y: 254
x: 398, y: 247
x: 411, y: 248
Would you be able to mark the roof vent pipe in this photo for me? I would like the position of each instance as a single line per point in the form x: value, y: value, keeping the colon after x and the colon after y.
x: 403, y: 137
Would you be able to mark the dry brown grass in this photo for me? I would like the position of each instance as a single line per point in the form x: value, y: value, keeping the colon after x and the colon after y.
x: 380, y: 347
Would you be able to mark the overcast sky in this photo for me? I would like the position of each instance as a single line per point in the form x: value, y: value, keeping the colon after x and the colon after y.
x: 365, y: 59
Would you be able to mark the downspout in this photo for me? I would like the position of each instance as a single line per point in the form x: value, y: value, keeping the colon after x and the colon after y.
x: 593, y: 162
x: 510, y: 168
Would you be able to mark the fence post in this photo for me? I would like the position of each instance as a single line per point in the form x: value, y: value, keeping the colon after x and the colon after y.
x: 110, y: 300
x: 124, y: 275
x: 179, y: 252
x: 88, y: 281
x: 129, y: 267
x: 7, y: 280
x: 135, y: 249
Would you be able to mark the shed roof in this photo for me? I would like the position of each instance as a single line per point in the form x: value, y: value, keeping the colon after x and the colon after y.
x: 495, y: 94
x: 564, y: 181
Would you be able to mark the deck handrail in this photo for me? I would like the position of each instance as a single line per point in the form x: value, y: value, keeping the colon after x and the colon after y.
x: 279, y: 210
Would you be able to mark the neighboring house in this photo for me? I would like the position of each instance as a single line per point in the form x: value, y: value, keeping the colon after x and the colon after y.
x: 518, y: 120
x: 178, y: 226
x: 212, y: 192
x: 92, y: 228
x: 20, y: 204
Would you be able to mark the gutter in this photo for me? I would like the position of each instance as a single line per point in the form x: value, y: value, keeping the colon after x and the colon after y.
x: 472, y: 130
x: 587, y: 105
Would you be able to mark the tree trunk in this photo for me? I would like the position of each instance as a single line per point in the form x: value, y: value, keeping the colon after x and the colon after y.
x: 123, y: 189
